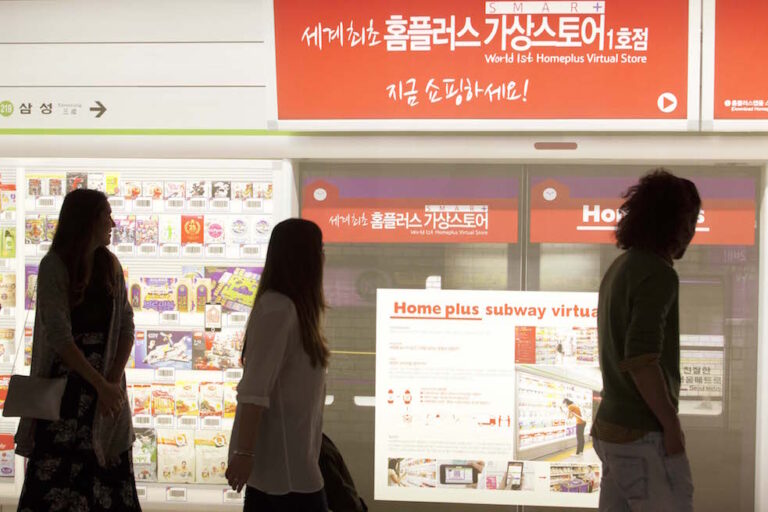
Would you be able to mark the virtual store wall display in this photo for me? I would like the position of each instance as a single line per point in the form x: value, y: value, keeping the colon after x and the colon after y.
x: 190, y: 242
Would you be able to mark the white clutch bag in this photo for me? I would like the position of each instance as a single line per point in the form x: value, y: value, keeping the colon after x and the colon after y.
x: 34, y: 397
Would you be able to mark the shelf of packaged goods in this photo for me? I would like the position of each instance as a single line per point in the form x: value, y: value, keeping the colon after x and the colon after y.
x: 153, y: 320
x: 542, y: 430
x: 180, y: 496
x: 545, y: 443
x: 203, y: 259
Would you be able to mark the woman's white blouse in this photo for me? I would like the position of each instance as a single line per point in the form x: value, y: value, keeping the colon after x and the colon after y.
x: 278, y: 376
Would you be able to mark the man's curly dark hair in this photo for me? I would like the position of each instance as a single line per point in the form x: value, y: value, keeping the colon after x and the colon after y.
x: 659, y: 214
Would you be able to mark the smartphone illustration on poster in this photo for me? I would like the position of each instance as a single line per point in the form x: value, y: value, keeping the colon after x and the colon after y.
x: 458, y: 474
x: 514, y: 478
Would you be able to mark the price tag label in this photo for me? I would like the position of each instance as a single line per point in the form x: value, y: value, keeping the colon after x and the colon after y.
x: 176, y: 494
x: 230, y: 496
x: 166, y: 375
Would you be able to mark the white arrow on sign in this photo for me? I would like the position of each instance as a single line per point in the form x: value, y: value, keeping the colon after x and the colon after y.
x: 667, y: 102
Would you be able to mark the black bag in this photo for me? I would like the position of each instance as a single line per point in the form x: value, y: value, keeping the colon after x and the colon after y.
x: 339, y: 487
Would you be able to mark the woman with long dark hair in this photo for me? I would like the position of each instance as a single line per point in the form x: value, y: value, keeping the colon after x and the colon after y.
x: 83, y: 331
x: 277, y: 433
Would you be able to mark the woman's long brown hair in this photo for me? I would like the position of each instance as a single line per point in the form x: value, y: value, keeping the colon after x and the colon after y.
x: 74, y: 235
x: 294, y: 267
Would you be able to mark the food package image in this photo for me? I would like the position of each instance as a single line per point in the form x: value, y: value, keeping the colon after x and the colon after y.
x: 170, y: 229
x: 30, y: 286
x: 131, y: 189
x: 147, y: 230
x: 124, y: 231
x: 262, y: 227
x: 175, y: 190
x: 51, y: 223
x: 238, y: 229
x: 211, y: 399
x: 7, y: 456
x: 142, y: 400
x: 8, y: 250
x: 215, y: 229
x: 76, y: 181
x: 262, y: 190
x: 163, y: 401
x: 221, y: 190
x: 97, y: 181
x: 211, y: 456
x: 187, y: 398
x: 165, y: 349
x: 234, y: 287
x: 242, y: 190
x: 198, y: 189
x: 192, y: 229
x: 8, y: 290
x: 145, y: 455
x: 34, y: 229
x: 7, y: 346
x: 153, y: 189
x: 230, y: 399
x: 176, y: 456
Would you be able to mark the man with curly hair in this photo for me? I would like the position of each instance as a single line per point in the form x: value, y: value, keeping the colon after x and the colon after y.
x: 637, y: 432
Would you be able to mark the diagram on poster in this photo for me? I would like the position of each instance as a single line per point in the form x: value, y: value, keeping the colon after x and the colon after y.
x: 458, y: 420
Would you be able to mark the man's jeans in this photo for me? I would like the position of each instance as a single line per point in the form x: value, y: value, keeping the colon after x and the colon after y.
x: 639, y: 477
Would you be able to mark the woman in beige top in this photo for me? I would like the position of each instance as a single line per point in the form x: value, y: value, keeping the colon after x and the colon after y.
x: 277, y: 433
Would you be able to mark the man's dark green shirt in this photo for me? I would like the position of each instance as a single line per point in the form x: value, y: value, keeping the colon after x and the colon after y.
x: 638, y: 323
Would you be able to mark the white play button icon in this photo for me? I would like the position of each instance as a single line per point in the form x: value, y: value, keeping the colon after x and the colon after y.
x: 667, y: 102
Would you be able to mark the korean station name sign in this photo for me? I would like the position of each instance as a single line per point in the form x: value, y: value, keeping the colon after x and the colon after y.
x: 460, y: 59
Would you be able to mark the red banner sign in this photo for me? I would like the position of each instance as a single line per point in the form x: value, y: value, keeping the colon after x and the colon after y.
x: 474, y: 59
x: 586, y: 210
x: 413, y: 210
x: 741, y: 41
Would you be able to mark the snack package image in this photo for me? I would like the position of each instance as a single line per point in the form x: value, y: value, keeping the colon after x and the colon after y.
x: 145, y: 455
x: 147, y: 230
x: 34, y: 229
x: 7, y: 346
x: 30, y: 286
x: 234, y: 287
x: 262, y: 226
x: 238, y: 229
x: 142, y: 400
x: 175, y: 190
x: 242, y: 190
x: 170, y: 229
x: 51, y: 223
x: 163, y: 401
x: 211, y: 399
x: 197, y: 189
x: 7, y: 456
x: 221, y: 190
x: 176, y: 456
x: 56, y: 186
x: 230, y: 399
x: 186, y: 399
x: 211, y: 456
x: 124, y: 231
x: 214, y: 229
x: 8, y: 290
x: 8, y: 250
x: 131, y: 189
x: 97, y: 181
x: 192, y: 229
x: 165, y: 349
x: 153, y: 189
x: 76, y: 180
